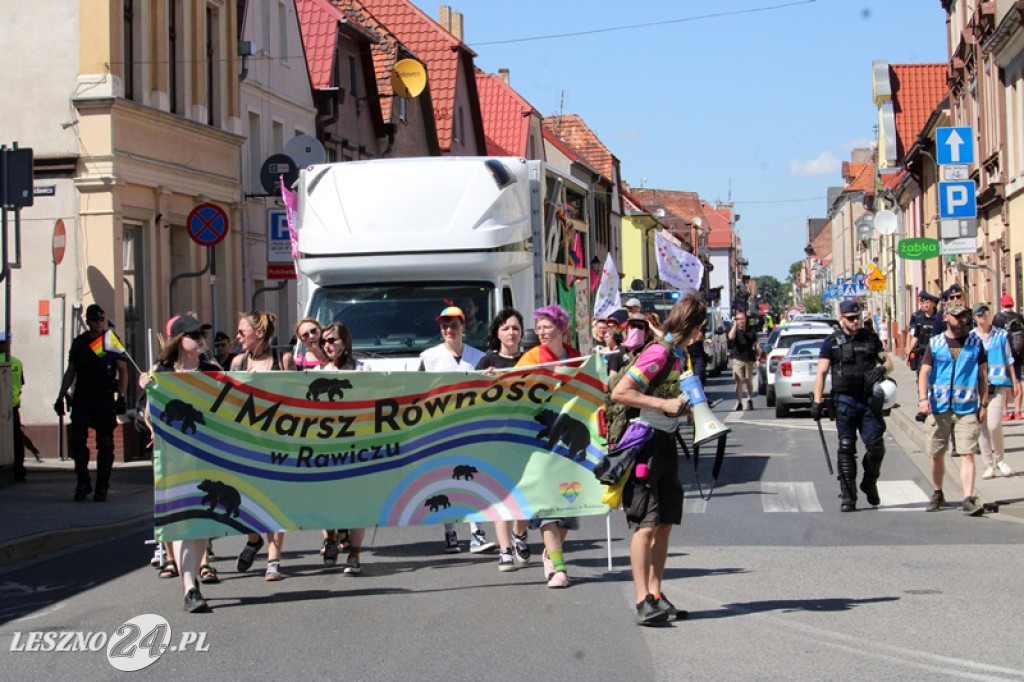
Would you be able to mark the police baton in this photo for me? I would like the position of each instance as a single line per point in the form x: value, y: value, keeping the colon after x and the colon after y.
x: 824, y: 446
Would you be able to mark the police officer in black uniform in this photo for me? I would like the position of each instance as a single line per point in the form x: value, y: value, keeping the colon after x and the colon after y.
x: 857, y: 361
x: 919, y: 331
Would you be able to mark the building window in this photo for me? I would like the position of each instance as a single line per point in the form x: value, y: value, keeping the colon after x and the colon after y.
x: 282, y: 31
x: 277, y: 137
x: 128, y: 56
x: 255, y: 150
x: 212, y: 65
x: 173, y: 73
x: 353, y: 77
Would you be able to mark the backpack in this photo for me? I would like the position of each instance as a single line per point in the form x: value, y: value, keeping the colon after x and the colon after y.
x: 1015, y: 328
x: 617, y: 416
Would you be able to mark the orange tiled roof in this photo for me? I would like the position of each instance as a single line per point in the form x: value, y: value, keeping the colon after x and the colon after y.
x: 506, y: 116
x: 859, y: 177
x: 916, y: 90
x: 720, y: 222
x: 318, y: 20
x: 438, y: 49
x: 572, y: 129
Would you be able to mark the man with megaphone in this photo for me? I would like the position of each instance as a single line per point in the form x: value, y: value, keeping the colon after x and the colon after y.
x: 857, y: 362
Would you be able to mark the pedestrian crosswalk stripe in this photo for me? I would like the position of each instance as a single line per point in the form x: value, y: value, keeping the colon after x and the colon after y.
x: 901, y: 496
x: 802, y: 496
x: 792, y: 496
x: 733, y: 416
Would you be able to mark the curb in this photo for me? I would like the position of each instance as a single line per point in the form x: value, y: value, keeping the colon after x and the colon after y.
x: 52, y: 542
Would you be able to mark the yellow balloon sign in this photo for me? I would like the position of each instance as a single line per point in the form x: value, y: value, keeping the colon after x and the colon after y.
x: 408, y: 78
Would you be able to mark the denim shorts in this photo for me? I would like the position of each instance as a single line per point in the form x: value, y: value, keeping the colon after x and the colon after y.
x: 568, y: 522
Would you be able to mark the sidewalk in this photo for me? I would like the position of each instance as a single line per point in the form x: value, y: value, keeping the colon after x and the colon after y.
x: 39, y: 516
x: 1007, y: 492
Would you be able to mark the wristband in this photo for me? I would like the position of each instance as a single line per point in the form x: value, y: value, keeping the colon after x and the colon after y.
x: 922, y: 400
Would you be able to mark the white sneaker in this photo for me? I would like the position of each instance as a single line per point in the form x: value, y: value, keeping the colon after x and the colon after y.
x: 1005, y: 468
x: 522, y: 549
x: 507, y: 562
x: 990, y: 472
x: 478, y: 542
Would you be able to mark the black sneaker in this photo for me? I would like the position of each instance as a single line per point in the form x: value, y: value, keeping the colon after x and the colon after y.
x: 750, y: 404
x: 673, y: 612
x: 330, y: 551
x: 100, y: 496
x: 649, y: 613
x: 82, y: 492
x: 971, y: 507
x: 739, y: 406
x: 194, y: 602
x: 248, y: 554
x: 938, y: 499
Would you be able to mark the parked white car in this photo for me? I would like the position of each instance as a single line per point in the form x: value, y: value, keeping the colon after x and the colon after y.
x: 716, y: 343
x: 797, y: 372
x: 788, y: 335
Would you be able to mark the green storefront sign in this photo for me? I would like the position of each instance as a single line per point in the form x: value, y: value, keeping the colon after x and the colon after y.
x: 918, y: 248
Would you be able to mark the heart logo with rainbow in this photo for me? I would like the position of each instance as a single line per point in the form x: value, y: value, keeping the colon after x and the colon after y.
x: 570, y: 491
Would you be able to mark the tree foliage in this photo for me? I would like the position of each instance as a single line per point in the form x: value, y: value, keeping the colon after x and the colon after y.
x: 814, y: 303
x: 770, y: 290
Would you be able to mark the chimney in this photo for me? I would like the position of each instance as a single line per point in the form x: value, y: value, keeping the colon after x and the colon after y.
x: 444, y: 17
x: 503, y: 74
x: 456, y: 29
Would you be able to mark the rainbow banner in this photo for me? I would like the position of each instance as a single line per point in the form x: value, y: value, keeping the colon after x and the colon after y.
x: 239, y: 452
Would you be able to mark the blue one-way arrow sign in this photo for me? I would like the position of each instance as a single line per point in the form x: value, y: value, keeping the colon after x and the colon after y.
x: 954, y: 145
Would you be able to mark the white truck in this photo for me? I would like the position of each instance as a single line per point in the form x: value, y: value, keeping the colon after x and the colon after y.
x: 384, y: 245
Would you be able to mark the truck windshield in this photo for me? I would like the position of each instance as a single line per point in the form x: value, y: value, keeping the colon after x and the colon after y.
x: 399, y: 319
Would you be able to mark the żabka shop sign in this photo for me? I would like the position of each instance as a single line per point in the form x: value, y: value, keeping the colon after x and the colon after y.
x: 918, y: 248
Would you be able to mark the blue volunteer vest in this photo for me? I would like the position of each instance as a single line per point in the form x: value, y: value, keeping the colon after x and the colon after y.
x: 955, y: 382
x: 998, y: 358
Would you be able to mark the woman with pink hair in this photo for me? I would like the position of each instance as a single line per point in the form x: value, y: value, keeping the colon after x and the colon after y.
x: 551, y: 322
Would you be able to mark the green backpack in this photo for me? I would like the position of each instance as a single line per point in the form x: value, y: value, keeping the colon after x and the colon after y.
x: 617, y: 416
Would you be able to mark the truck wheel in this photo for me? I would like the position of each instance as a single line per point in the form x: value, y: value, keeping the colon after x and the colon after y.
x: 770, y: 397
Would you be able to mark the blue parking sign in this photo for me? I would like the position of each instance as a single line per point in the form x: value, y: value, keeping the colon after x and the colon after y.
x: 958, y: 199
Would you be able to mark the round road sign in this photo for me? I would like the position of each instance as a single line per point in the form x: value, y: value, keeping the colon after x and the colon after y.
x: 59, y: 240
x: 207, y: 224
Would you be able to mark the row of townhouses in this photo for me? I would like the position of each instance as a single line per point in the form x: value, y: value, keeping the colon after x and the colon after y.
x: 980, y: 87
x: 138, y: 111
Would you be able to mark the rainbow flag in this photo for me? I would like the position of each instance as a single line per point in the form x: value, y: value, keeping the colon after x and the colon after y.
x: 240, y: 452
x: 107, y: 343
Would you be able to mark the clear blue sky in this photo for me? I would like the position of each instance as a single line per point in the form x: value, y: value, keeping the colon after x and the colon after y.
x: 737, y: 97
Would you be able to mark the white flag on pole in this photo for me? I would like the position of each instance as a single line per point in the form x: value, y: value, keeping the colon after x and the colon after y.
x: 608, y: 299
x: 679, y: 268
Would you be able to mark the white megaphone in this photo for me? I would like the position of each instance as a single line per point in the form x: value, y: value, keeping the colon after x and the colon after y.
x: 705, y: 425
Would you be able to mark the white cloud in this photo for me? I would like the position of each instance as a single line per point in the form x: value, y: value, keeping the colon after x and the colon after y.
x: 861, y: 143
x: 825, y: 164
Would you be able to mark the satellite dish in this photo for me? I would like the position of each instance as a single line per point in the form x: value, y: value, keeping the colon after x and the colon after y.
x: 886, y: 222
x: 305, y: 150
x: 408, y: 78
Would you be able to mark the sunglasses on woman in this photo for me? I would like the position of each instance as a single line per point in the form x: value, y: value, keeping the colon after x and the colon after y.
x: 327, y: 342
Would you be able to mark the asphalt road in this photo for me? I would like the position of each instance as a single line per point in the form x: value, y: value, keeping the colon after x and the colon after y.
x: 779, y: 583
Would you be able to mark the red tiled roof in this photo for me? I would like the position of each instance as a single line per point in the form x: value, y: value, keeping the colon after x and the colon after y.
x: 720, y: 221
x: 916, y: 90
x: 506, y: 116
x: 438, y: 49
x: 318, y: 21
x: 572, y: 129
x: 859, y: 177
x: 685, y: 205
